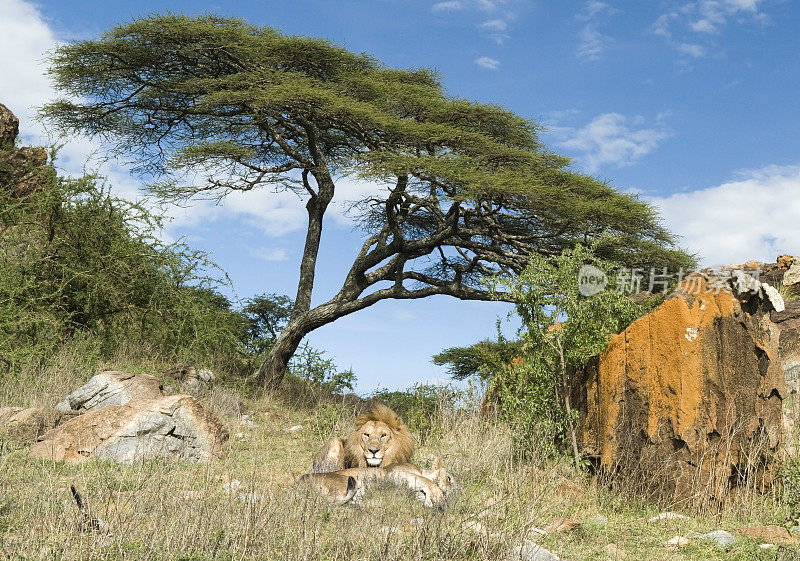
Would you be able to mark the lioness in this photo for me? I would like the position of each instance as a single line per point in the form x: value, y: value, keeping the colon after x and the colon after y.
x: 349, y: 484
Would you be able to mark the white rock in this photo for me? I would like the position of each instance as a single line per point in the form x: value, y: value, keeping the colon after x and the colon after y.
x: 678, y: 541
x: 724, y: 539
x: 294, y: 428
x: 792, y: 276
x: 531, y: 551
x: 668, y: 516
x: 775, y: 298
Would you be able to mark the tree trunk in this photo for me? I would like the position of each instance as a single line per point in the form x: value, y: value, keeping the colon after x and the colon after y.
x: 271, y: 372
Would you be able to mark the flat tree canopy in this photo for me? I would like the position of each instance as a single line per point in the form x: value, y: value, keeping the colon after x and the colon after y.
x: 466, y: 189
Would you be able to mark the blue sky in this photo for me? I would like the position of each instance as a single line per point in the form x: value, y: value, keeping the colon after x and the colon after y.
x: 694, y: 105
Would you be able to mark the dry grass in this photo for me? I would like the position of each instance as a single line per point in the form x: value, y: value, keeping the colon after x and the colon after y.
x: 169, y: 510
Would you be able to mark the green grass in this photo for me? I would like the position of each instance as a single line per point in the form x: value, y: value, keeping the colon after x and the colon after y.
x: 170, y: 510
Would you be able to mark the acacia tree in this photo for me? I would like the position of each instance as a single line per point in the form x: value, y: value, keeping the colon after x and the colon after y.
x: 466, y: 189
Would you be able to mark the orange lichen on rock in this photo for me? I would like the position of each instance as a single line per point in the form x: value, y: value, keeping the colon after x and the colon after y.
x: 692, y: 383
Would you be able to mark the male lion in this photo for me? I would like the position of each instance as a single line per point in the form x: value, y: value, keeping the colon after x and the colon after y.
x: 381, y: 439
x: 379, y: 449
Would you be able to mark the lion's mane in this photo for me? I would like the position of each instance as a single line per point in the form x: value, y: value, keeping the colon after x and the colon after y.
x: 401, y: 446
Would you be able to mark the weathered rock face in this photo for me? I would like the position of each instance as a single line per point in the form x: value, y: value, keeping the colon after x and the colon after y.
x: 111, y: 388
x: 175, y: 427
x: 685, y: 404
x: 23, y: 171
x: 9, y: 127
x: 27, y: 424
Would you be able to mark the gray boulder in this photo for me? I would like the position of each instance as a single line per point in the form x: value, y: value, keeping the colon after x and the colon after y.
x: 111, y: 388
x: 175, y: 427
x: 531, y: 551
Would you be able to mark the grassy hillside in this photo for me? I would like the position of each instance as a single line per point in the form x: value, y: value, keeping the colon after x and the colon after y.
x: 247, y: 506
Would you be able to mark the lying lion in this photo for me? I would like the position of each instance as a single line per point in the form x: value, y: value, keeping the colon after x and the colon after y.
x: 379, y: 449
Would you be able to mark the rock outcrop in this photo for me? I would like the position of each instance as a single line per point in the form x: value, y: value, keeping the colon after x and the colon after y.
x: 111, y: 387
x: 685, y: 404
x: 175, y: 427
x: 23, y: 171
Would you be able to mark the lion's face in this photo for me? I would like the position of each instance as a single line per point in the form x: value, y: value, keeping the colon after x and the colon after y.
x: 375, y: 440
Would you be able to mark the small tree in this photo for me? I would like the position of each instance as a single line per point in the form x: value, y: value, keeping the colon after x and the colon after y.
x: 465, y: 189
x: 267, y: 315
x: 561, y: 328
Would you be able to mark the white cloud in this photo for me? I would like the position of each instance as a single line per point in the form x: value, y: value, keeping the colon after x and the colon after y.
x: 693, y: 50
x: 592, y: 41
x: 495, y: 25
x: 497, y: 15
x: 612, y: 138
x: 450, y: 6
x: 752, y: 217
x: 271, y: 254
x: 488, y: 63
x: 701, y: 19
x: 593, y: 8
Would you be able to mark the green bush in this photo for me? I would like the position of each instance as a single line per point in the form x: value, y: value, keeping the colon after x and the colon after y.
x: 74, y: 259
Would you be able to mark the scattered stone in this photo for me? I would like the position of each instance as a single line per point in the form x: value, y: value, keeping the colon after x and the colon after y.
x: 193, y: 381
x: 531, y: 551
x: 767, y: 545
x: 668, y: 516
x: 677, y: 541
x: 539, y: 531
x: 769, y: 533
x: 615, y: 552
x: 111, y: 388
x: 562, y: 525
x: 599, y: 520
x: 174, y: 426
x: 721, y: 537
x: 294, y: 428
x: 242, y: 436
